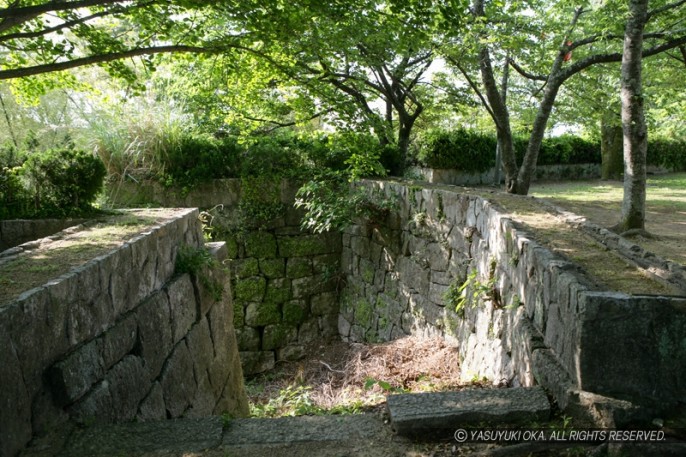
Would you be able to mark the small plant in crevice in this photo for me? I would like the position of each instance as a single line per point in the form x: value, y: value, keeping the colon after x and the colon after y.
x: 419, y: 218
x: 471, y: 291
x: 206, y: 218
x: 193, y: 261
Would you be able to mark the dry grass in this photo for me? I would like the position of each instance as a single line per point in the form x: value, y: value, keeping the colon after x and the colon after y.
x: 346, y: 378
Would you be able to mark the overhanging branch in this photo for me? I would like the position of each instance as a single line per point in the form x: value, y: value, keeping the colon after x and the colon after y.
x: 104, y: 58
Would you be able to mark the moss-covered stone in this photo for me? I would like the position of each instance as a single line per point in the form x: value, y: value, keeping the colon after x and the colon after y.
x: 261, y: 314
x: 326, y: 263
x: 248, y: 339
x: 363, y: 312
x: 273, y: 268
x: 238, y: 314
x: 278, y: 336
x: 244, y: 268
x: 367, y: 271
x: 278, y: 291
x: 250, y: 289
x: 298, y: 267
x: 260, y: 244
x: 294, y: 312
x: 232, y: 246
x: 324, y: 304
x: 308, y: 245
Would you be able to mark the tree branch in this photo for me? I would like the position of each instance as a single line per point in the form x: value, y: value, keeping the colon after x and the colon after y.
x: 617, y: 57
x: 35, y: 10
x: 474, y: 87
x: 525, y: 73
x: 68, y: 24
x: 104, y: 58
x: 664, y: 8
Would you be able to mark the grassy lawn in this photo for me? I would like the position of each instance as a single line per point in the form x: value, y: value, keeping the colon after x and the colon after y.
x: 601, y: 201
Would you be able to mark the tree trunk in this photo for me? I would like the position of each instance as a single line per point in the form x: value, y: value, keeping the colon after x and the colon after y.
x: 633, y: 120
x: 612, y: 165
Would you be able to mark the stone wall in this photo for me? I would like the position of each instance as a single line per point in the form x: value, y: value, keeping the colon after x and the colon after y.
x: 16, y: 232
x: 120, y: 338
x: 284, y: 280
x: 284, y: 293
x: 543, y: 173
x: 529, y: 316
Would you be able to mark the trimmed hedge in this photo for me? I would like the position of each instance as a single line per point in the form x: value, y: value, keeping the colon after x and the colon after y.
x: 474, y: 152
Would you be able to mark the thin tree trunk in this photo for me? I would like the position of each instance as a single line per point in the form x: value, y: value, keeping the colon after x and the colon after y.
x: 499, y: 149
x: 612, y: 166
x: 633, y: 120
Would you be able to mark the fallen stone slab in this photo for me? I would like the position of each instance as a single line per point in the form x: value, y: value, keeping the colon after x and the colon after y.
x: 413, y: 414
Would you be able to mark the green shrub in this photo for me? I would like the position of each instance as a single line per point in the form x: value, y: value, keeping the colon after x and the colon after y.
x: 197, y: 158
x: 474, y: 152
x: 62, y: 182
x: 461, y: 149
x: 667, y: 153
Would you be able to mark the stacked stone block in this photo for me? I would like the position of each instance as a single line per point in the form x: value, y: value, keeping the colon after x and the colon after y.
x: 284, y: 284
x: 530, y: 316
x: 120, y: 338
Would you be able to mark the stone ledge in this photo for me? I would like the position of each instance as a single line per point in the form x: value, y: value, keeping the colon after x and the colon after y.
x: 418, y: 413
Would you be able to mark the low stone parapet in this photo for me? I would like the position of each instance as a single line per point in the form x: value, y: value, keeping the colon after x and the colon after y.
x: 119, y: 338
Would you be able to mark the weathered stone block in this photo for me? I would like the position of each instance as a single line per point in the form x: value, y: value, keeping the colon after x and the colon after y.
x: 182, y: 306
x: 238, y: 314
x: 273, y: 268
x: 324, y: 304
x: 74, y: 376
x: 309, y: 285
x: 278, y: 290
x: 308, y: 331
x: 437, y: 293
x: 278, y: 336
x: 309, y: 245
x: 199, y: 343
x: 245, y: 268
x: 128, y: 385
x: 248, y: 339
x: 261, y: 314
x: 343, y: 326
x: 295, y: 312
x: 177, y: 381
x: 250, y: 289
x: 255, y: 362
x: 328, y: 326
x: 152, y: 407
x: 204, y: 401
x: 298, y: 267
x: 291, y: 353
x: 418, y: 413
x: 15, y: 413
x: 261, y: 245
